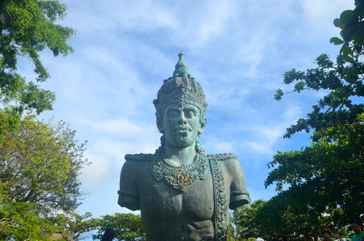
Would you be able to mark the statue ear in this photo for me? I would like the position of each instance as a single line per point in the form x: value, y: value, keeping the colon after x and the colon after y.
x: 159, y: 122
x: 202, y: 124
x: 160, y: 126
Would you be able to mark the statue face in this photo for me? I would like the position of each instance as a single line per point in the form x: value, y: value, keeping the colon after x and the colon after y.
x: 181, y: 125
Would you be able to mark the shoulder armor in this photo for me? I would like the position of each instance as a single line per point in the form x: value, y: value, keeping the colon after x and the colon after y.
x: 139, y: 157
x: 221, y: 156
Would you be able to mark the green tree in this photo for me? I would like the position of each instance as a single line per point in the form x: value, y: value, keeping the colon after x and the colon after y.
x: 327, y: 175
x: 287, y: 217
x: 39, y: 163
x: 39, y: 168
x: 27, y: 27
x: 73, y: 225
x: 120, y: 226
x: 244, y: 219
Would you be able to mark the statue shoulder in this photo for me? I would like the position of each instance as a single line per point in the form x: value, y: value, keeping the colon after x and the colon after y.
x: 225, y: 157
x: 229, y: 160
x: 134, y: 163
x: 140, y: 157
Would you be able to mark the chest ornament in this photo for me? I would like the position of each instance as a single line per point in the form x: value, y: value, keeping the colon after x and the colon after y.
x: 179, y: 177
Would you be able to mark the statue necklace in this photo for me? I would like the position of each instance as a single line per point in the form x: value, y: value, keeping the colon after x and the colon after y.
x: 179, y: 177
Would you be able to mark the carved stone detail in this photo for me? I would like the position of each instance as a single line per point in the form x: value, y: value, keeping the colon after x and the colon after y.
x: 182, y: 176
x: 220, y: 202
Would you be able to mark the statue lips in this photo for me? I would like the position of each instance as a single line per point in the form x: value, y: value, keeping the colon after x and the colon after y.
x: 183, y: 130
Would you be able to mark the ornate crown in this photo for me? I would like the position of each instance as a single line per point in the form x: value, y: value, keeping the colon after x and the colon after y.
x: 181, y: 88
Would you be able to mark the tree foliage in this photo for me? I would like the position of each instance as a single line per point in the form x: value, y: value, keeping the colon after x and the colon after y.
x: 39, y: 168
x: 287, y: 217
x: 244, y: 219
x: 120, y: 226
x: 27, y: 27
x: 73, y: 224
x: 39, y: 163
x: 282, y: 218
x: 327, y: 175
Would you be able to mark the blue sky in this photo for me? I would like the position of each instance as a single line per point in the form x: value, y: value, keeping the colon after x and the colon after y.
x: 237, y: 49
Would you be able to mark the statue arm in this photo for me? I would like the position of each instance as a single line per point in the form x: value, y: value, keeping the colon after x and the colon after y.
x: 238, y: 192
x: 128, y: 192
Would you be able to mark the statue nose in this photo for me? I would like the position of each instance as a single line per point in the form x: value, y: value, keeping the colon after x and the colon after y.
x: 182, y: 118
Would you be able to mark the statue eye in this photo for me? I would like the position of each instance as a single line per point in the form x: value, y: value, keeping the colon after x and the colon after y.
x: 173, y: 113
x: 189, y: 113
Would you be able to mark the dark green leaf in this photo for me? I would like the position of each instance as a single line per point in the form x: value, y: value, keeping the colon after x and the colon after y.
x: 346, y: 17
x: 336, y: 41
x: 278, y: 94
x: 299, y: 86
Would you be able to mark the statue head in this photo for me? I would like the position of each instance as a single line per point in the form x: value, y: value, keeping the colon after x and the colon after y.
x: 180, y: 107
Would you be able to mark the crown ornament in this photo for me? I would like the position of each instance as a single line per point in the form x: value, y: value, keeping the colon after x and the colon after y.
x: 180, y: 89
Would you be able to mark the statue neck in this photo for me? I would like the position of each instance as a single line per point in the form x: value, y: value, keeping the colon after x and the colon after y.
x: 183, y: 155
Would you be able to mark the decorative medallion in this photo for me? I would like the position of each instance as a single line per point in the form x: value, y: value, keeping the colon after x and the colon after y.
x: 179, y: 177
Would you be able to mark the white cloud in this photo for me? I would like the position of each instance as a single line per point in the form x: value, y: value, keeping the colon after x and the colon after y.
x: 263, y: 138
x: 259, y: 138
x: 224, y: 147
x: 94, y: 81
x: 252, y: 53
x: 291, y: 114
x: 202, y: 22
x: 216, y: 16
x: 323, y: 12
x: 215, y: 145
x: 206, y: 21
x: 120, y: 127
x: 95, y: 16
x: 107, y: 157
x: 258, y: 147
x: 118, y: 137
x: 96, y: 170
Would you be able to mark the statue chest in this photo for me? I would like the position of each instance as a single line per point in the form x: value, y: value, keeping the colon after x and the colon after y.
x: 163, y: 203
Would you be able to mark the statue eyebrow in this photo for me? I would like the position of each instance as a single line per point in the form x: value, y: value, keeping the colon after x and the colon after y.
x: 190, y: 109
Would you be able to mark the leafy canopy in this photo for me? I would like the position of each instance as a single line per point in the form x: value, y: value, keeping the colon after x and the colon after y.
x: 27, y: 27
x: 244, y: 219
x: 39, y: 168
x: 120, y: 226
x: 321, y: 186
x: 329, y: 173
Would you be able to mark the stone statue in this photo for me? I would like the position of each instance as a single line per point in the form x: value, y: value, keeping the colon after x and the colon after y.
x: 182, y: 192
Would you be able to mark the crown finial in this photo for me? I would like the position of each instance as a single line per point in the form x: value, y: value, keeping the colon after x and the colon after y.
x: 180, y: 69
